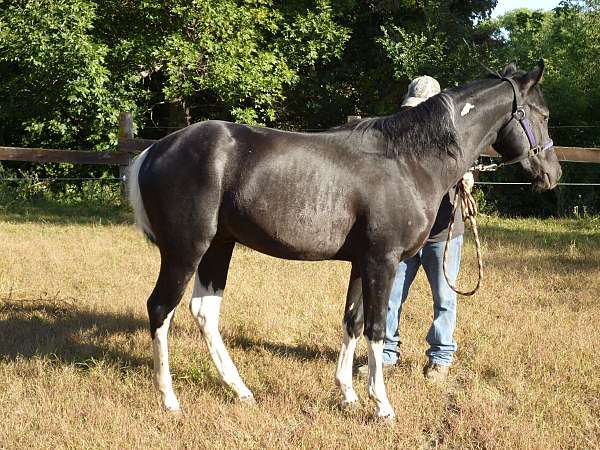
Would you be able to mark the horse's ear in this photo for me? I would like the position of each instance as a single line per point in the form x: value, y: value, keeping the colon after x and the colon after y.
x: 510, y: 70
x: 533, y: 77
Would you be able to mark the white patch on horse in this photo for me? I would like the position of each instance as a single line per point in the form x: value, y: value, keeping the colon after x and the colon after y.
x: 468, y: 107
x: 205, y: 307
x: 376, y: 384
x: 343, y: 374
x: 162, y: 374
x: 135, y: 196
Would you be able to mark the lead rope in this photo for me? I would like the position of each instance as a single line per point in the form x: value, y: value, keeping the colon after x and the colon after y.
x: 469, y: 211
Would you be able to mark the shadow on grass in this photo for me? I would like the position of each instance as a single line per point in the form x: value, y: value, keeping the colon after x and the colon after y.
x: 573, y: 232
x: 64, y: 334
x: 301, y: 352
x: 52, y: 212
x: 577, y: 248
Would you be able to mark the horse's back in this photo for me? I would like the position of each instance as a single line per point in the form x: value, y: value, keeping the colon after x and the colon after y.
x: 282, y: 193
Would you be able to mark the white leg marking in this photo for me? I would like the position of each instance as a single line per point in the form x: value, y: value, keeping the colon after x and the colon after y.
x: 343, y: 374
x: 376, y: 385
x: 162, y: 374
x: 205, y: 309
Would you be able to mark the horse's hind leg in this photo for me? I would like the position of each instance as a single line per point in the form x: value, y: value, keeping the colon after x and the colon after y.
x: 205, y: 307
x: 175, y: 272
x: 353, y: 325
x: 377, y: 277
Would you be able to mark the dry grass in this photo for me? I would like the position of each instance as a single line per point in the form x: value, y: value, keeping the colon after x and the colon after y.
x: 75, y: 367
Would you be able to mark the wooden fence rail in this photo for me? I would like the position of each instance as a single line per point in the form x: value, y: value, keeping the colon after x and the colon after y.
x: 569, y: 154
x: 45, y: 155
x: 128, y: 146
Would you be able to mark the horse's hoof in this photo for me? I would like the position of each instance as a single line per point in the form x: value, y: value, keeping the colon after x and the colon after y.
x: 248, y: 400
x: 174, y: 413
x: 385, y: 416
x: 349, y: 405
x: 386, y: 420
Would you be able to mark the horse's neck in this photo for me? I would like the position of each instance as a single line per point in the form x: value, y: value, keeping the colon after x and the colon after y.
x: 478, y: 116
x: 478, y: 113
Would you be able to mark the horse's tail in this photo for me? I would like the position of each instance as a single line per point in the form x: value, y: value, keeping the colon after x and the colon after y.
x: 135, y: 196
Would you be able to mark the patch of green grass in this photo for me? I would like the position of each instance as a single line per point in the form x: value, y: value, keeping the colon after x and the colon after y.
x: 61, y: 213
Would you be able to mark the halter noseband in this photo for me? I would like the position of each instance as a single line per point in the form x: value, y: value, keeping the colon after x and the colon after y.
x: 520, y: 116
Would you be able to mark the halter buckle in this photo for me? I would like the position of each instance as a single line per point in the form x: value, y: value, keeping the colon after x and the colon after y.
x: 519, y: 113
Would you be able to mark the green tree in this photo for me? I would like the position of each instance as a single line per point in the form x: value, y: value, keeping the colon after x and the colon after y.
x: 568, y: 38
x: 56, y: 89
x: 69, y: 66
x: 391, y: 42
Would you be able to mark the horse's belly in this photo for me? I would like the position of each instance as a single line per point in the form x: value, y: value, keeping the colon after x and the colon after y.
x: 293, y: 204
x: 300, y: 231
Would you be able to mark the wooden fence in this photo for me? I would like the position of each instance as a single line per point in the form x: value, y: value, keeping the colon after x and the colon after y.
x: 128, y: 146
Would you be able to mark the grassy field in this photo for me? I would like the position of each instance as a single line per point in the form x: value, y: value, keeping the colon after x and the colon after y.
x: 75, y: 352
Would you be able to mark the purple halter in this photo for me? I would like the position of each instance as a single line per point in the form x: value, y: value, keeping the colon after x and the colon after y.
x: 519, y: 115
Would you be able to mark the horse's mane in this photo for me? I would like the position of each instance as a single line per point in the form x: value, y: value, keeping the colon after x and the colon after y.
x: 418, y: 131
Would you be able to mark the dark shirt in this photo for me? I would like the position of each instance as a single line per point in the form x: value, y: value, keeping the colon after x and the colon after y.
x: 439, y: 232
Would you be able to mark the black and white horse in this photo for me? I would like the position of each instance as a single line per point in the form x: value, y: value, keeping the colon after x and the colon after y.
x: 366, y: 193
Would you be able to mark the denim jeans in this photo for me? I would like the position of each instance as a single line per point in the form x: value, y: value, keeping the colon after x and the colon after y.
x: 441, y: 342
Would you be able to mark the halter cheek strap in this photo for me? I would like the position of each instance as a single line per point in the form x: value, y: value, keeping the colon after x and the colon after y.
x: 520, y: 116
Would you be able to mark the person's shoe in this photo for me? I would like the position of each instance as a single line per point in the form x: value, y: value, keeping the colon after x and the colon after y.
x: 363, y: 371
x: 436, y: 373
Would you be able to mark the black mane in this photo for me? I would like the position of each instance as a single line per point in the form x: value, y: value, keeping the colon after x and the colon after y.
x: 418, y: 131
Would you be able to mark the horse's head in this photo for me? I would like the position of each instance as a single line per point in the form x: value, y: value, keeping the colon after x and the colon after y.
x: 524, y: 139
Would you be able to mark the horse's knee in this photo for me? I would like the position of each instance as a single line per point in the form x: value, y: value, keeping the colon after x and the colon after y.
x: 157, y: 313
x: 354, y: 319
x: 354, y: 327
x: 375, y: 331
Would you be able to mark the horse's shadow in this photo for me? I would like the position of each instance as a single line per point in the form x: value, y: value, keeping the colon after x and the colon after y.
x: 54, y: 329
x: 33, y: 328
x: 300, y: 352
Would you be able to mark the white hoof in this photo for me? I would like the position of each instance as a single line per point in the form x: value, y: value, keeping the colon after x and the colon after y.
x: 173, y: 410
x: 248, y: 400
x: 386, y: 414
x: 387, y: 420
x: 171, y: 405
x: 350, y: 400
x: 349, y: 405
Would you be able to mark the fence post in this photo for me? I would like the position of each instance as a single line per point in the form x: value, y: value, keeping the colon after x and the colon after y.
x: 125, y: 132
x: 126, y: 125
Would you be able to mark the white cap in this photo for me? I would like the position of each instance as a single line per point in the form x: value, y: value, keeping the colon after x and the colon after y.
x: 420, y: 89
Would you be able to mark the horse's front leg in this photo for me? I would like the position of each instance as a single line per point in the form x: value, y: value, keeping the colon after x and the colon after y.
x: 377, y: 278
x: 353, y: 325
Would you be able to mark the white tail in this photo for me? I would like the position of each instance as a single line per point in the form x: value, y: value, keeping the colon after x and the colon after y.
x: 135, y: 197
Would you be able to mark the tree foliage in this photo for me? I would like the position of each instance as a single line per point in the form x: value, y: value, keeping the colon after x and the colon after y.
x: 68, y: 67
x: 56, y: 89
x: 568, y: 39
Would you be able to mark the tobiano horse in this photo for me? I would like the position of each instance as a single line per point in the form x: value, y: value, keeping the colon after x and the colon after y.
x: 366, y: 192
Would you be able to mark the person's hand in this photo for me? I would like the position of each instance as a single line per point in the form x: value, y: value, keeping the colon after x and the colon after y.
x: 468, y: 181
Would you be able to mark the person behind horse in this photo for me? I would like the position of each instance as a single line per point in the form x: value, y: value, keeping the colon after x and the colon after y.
x: 440, y: 336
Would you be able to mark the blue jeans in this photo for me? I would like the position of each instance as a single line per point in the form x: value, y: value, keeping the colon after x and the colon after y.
x: 441, y: 343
